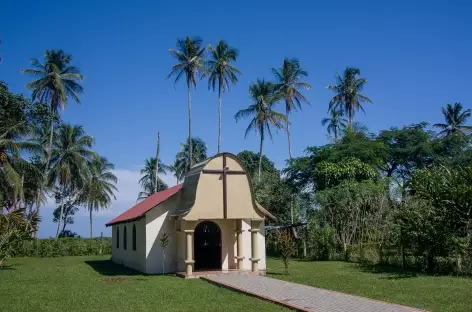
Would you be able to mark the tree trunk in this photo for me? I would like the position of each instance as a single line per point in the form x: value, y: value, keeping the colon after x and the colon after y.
x: 91, y: 232
x: 45, y: 173
x: 157, y: 161
x: 288, y: 136
x: 219, y: 117
x: 62, y: 211
x: 260, y: 157
x: 190, y: 129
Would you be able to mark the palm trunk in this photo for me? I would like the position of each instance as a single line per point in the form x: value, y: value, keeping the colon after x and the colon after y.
x: 219, y: 119
x: 289, y: 136
x: 62, y: 211
x: 260, y: 157
x: 350, y: 117
x: 190, y: 129
x: 45, y: 172
x: 157, y: 160
x: 90, y: 210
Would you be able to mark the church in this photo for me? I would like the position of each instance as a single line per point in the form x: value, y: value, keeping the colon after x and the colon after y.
x: 212, y: 221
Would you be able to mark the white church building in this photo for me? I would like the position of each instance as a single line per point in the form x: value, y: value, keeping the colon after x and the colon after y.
x: 212, y: 220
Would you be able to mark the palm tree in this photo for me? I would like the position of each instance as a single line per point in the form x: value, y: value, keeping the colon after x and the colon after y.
x: 54, y: 82
x: 221, y: 73
x: 288, y: 84
x: 182, y: 163
x: 264, y: 97
x: 189, y: 56
x: 71, y: 159
x: 148, y: 179
x: 99, y: 187
x: 348, y: 96
x: 455, y: 120
x: 336, y: 123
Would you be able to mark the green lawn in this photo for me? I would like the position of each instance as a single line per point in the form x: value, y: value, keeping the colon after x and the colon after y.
x: 434, y: 293
x: 95, y: 284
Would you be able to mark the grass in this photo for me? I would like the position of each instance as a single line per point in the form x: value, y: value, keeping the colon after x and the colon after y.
x: 96, y: 284
x: 433, y: 293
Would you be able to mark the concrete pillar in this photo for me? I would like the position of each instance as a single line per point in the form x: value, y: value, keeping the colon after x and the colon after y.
x: 255, y: 228
x: 239, y: 240
x: 189, y: 252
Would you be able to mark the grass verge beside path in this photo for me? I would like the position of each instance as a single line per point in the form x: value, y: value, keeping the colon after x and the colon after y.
x: 95, y: 284
x: 433, y: 293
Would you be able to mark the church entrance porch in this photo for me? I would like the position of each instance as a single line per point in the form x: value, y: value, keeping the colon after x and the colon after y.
x: 207, y: 246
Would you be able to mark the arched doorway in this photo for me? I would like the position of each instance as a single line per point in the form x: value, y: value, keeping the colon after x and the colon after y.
x: 207, y: 246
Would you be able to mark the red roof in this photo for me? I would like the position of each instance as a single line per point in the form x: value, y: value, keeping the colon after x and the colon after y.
x: 144, y: 206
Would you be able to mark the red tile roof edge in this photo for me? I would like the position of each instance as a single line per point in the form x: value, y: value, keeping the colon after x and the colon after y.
x: 144, y: 206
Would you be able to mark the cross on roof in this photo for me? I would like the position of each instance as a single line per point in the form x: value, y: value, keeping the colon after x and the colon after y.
x: 224, y: 172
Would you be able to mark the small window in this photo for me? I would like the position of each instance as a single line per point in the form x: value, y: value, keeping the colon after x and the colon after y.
x: 117, y: 237
x: 124, y: 239
x: 134, y: 236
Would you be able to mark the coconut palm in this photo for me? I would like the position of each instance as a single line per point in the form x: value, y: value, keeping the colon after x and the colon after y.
x: 189, y: 56
x: 455, y: 119
x: 99, y: 187
x: 148, y: 179
x: 348, y: 96
x: 336, y: 123
x: 71, y: 160
x: 55, y: 81
x: 221, y: 74
x: 182, y: 163
x: 288, y: 84
x: 264, y: 97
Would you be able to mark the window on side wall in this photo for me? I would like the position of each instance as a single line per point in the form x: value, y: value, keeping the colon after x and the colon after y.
x: 117, y: 237
x: 134, y: 236
x: 124, y: 239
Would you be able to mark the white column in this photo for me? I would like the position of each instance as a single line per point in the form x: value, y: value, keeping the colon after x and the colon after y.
x: 189, y: 252
x: 255, y: 228
x: 239, y: 240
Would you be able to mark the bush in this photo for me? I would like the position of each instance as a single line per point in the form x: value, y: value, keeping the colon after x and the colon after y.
x: 63, y: 247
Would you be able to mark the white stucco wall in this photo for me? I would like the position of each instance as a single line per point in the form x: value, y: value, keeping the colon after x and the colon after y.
x: 134, y: 259
x: 246, y: 226
x: 158, y: 222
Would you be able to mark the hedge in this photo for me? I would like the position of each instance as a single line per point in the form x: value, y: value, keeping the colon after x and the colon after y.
x: 60, y: 247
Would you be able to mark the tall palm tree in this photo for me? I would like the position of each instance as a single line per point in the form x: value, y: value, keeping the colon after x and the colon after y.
x: 455, y: 119
x: 336, y: 123
x: 148, y: 179
x: 264, y: 98
x: 221, y: 74
x: 189, y: 56
x: 71, y: 159
x: 182, y: 163
x: 99, y: 187
x: 288, y: 84
x: 348, y: 96
x: 54, y: 82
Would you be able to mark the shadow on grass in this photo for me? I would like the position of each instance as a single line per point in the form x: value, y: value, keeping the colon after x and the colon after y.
x: 390, y: 271
x: 109, y: 268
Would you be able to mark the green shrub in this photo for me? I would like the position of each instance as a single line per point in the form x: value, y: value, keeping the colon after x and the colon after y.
x: 63, y: 247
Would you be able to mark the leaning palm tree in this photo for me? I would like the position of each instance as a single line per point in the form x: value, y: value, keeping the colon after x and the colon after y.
x: 288, y: 84
x: 455, y: 120
x: 348, y: 96
x: 221, y: 74
x: 148, y: 179
x: 182, y: 163
x: 71, y: 159
x: 54, y: 82
x: 264, y: 97
x: 189, y: 56
x: 99, y: 187
x: 336, y: 123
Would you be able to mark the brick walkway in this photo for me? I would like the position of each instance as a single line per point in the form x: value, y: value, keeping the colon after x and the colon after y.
x: 301, y: 297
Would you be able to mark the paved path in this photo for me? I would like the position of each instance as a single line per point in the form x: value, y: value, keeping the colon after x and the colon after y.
x: 301, y: 297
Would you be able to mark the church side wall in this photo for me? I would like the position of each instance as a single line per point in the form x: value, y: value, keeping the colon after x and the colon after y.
x: 134, y: 259
x: 157, y: 222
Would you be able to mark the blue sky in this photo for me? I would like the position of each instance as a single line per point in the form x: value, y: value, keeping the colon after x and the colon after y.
x: 417, y: 56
